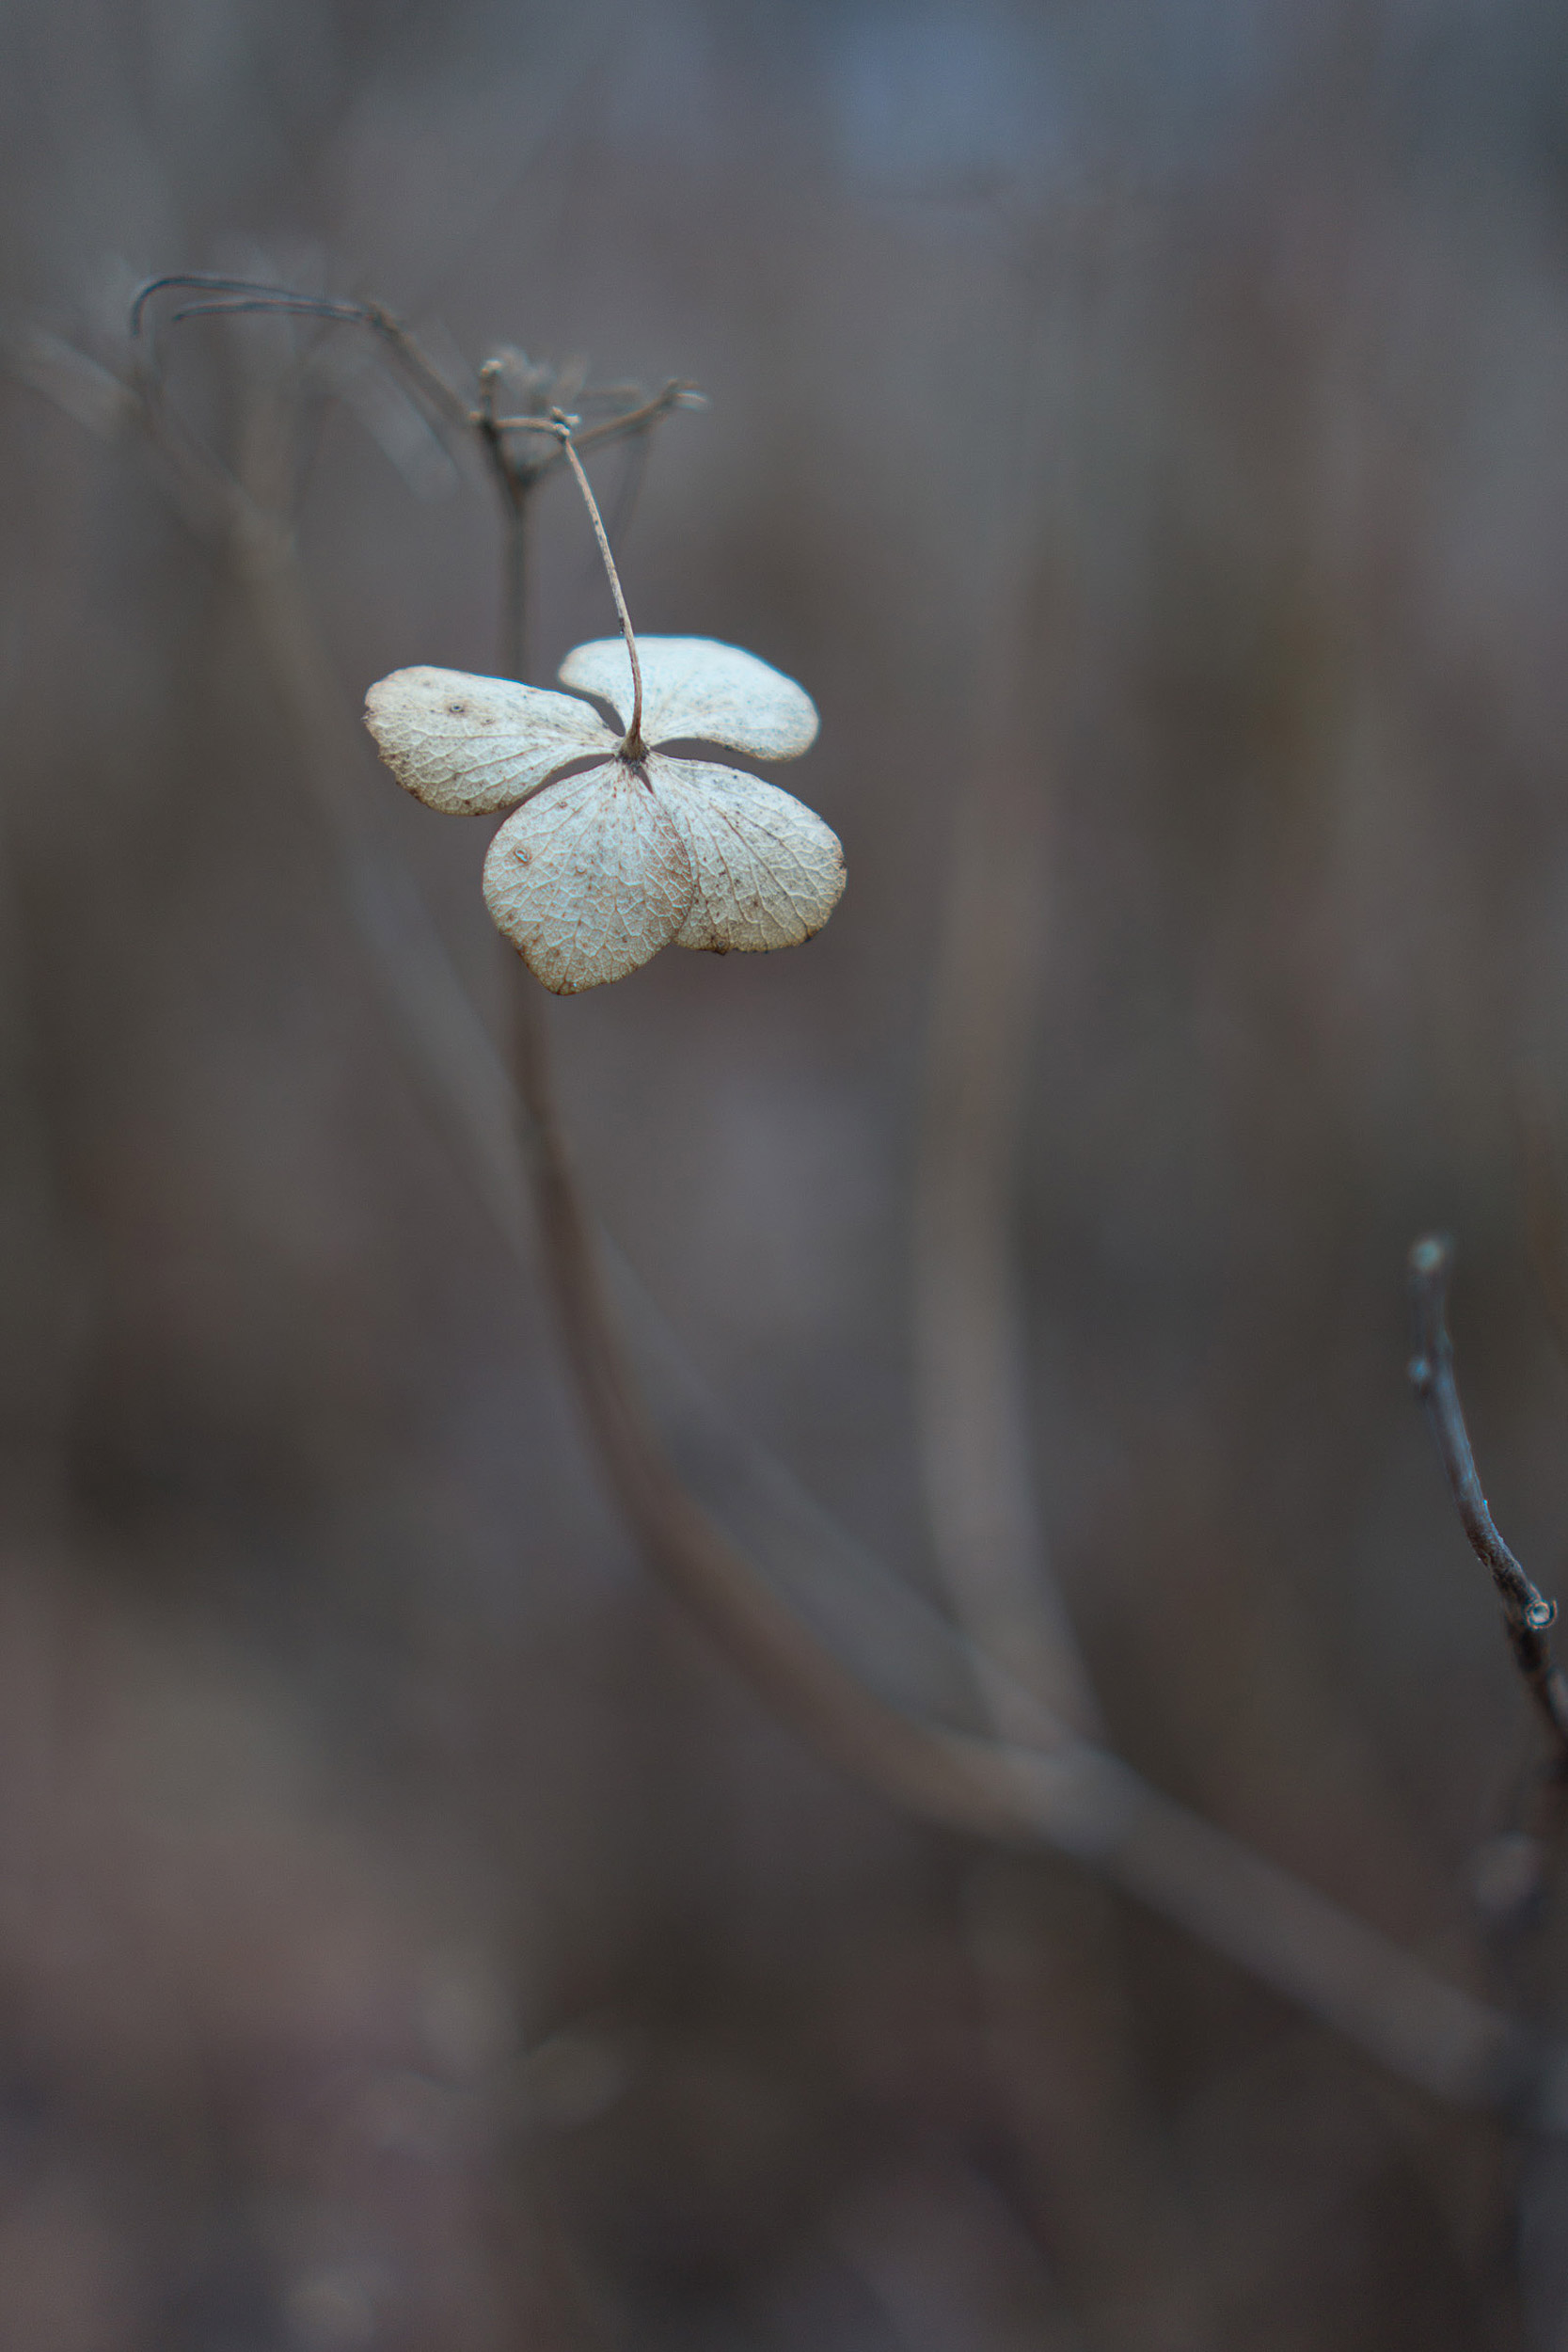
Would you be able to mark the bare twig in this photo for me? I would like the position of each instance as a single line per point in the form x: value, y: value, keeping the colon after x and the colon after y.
x: 627, y: 423
x: 976, y: 1451
x: 517, y: 477
x: 1526, y: 1613
x: 232, y: 295
x: 632, y: 416
x: 1074, y: 1798
x: 1065, y: 2067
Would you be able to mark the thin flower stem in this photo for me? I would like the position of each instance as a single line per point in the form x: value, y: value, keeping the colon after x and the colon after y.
x: 633, y: 747
x: 515, y: 486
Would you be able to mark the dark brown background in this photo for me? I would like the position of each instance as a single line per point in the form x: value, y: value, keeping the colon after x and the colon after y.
x: 1148, y: 418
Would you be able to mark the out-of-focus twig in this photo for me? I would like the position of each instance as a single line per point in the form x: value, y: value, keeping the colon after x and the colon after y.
x: 1526, y: 1613
x: 629, y: 413
x: 975, y: 1453
x: 1072, y: 1798
x: 1512, y: 1874
x: 1064, y: 2064
x: 1069, y: 1795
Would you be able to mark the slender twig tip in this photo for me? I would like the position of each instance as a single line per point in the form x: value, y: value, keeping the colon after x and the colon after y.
x: 1527, y: 1612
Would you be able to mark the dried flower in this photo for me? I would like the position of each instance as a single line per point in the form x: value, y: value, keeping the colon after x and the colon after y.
x: 599, y: 870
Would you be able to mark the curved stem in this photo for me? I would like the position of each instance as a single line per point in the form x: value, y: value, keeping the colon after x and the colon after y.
x: 1516, y: 1903
x: 1074, y: 1798
x: 1077, y: 1799
x: 633, y: 747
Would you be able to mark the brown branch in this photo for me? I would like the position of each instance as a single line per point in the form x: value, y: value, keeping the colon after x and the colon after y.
x: 231, y: 297
x: 1526, y: 1613
x: 975, y: 1448
x: 1067, y: 2072
x: 1074, y: 1799
x: 624, y: 425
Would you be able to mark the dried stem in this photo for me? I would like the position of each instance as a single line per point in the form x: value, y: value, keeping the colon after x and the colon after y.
x: 975, y: 1444
x: 1064, y: 2064
x: 234, y: 295
x: 517, y: 482
x: 625, y: 426
x: 1526, y: 1613
x: 1075, y: 1799
x: 633, y: 746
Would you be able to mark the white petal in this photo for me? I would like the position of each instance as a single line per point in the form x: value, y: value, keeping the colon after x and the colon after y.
x: 695, y: 691
x: 769, y: 872
x: 589, y: 879
x: 471, y: 745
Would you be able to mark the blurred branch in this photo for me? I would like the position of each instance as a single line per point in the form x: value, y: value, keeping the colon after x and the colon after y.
x: 1064, y: 2062
x: 452, y: 1056
x: 1074, y: 1799
x: 233, y: 296
x: 1071, y: 1797
x: 1065, y: 2066
x: 976, y: 1446
x: 977, y: 1450
x: 1526, y: 1613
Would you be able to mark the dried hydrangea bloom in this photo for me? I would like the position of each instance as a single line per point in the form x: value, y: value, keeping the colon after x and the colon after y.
x: 600, y: 868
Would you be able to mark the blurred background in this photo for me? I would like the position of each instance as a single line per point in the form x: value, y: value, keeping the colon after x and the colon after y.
x: 1143, y: 427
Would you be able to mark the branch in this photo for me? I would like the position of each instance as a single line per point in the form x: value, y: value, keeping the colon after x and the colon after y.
x: 1075, y: 1799
x: 231, y: 297
x: 975, y: 1448
x: 1526, y: 1613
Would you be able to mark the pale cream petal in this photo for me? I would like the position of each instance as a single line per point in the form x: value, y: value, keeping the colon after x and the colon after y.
x: 767, y: 871
x: 473, y: 745
x: 696, y: 691
x: 589, y: 879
